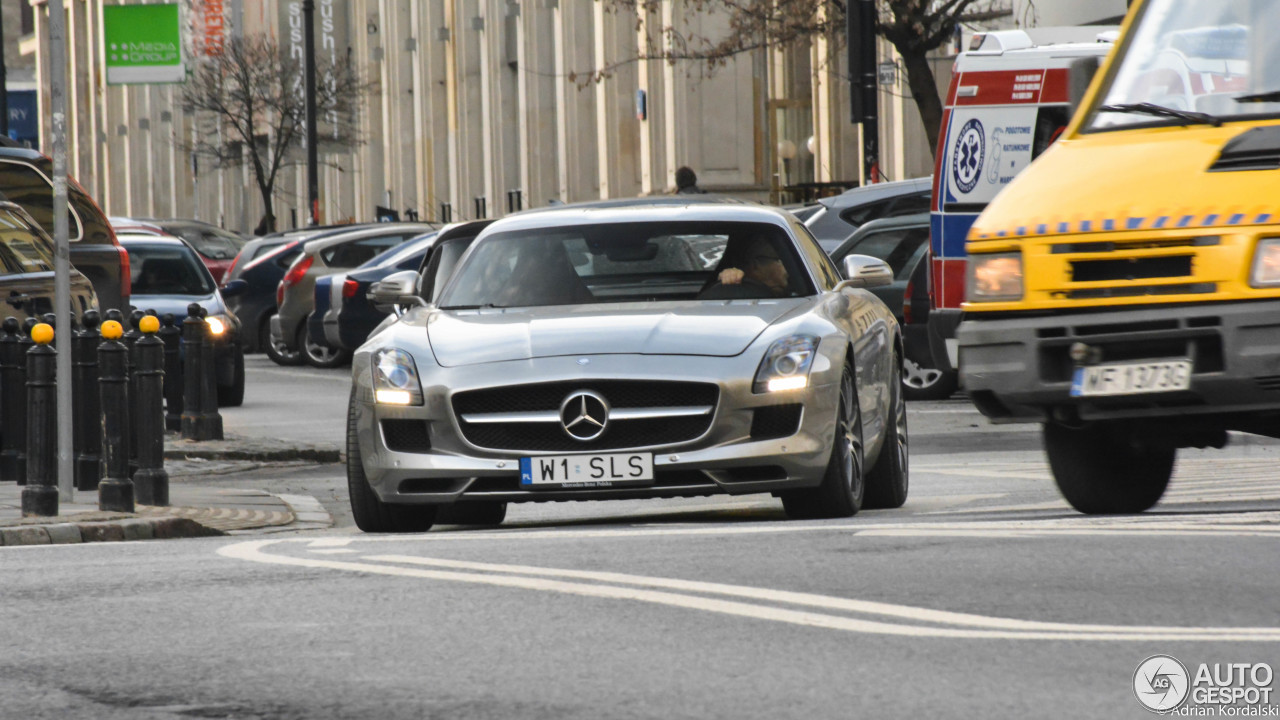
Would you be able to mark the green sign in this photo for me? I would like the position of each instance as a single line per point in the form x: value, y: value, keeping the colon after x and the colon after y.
x: 142, y: 44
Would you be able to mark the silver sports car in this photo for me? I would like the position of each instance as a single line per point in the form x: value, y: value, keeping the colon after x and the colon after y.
x: 588, y: 353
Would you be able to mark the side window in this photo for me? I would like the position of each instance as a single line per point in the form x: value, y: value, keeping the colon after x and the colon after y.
x: 22, y: 249
x: 25, y: 185
x: 439, y: 266
x: 1050, y: 122
x: 828, y: 275
x: 860, y: 215
x: 895, y: 247
x: 358, y: 252
x: 910, y: 205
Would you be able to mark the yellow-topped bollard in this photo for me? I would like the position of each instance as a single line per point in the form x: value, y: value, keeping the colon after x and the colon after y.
x: 112, y: 330
x: 149, y: 325
x: 42, y: 334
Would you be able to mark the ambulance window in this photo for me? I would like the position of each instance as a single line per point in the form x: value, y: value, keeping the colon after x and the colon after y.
x: 1049, y: 125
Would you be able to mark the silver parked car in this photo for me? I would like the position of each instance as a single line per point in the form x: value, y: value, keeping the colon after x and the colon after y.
x: 587, y: 353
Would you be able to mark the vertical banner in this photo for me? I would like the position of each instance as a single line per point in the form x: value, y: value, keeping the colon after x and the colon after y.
x: 332, y: 40
x: 142, y: 44
x: 209, y: 28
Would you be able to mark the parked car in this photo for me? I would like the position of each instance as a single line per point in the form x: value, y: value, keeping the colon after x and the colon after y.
x: 903, y: 242
x: 435, y: 256
x: 26, y: 269
x: 217, y: 247
x: 343, y: 251
x: 24, y: 179
x: 167, y: 276
x: 262, y: 263
x: 563, y: 362
x: 839, y: 216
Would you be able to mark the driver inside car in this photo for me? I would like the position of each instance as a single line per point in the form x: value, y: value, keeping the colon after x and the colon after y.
x: 762, y: 274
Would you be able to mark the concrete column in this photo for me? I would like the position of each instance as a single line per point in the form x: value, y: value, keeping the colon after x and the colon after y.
x: 540, y: 158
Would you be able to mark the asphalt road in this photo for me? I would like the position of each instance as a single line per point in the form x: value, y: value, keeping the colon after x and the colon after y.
x: 985, y: 596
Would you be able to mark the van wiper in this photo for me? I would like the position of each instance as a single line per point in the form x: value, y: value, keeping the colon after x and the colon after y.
x: 1262, y: 97
x: 1146, y: 108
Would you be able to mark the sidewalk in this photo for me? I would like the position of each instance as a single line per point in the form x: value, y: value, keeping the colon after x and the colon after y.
x: 195, y: 509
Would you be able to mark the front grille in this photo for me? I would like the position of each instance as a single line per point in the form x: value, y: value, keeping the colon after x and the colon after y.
x: 1130, y: 269
x: 551, y: 437
x: 1269, y: 382
x: 406, y: 435
x: 1109, y: 246
x: 1140, y: 291
x: 776, y: 421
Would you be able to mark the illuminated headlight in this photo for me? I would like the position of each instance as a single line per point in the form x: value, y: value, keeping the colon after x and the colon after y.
x: 786, y: 364
x: 994, y: 278
x: 395, y: 378
x: 218, y: 324
x: 1266, y: 264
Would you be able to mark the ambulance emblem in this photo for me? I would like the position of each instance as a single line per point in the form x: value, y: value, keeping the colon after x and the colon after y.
x: 966, y: 158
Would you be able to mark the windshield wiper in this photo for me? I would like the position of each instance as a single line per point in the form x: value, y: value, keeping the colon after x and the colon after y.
x: 1262, y: 97
x: 1147, y: 108
x: 484, y: 306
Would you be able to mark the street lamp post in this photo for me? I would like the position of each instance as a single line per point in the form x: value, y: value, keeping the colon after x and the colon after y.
x: 309, y: 70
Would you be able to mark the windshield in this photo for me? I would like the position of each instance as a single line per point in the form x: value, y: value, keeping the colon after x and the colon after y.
x: 1204, y: 57
x: 167, y: 270
x: 643, y: 261
x: 211, y: 242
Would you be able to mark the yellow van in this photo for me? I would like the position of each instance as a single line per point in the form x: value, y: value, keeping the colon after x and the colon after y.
x: 1124, y: 290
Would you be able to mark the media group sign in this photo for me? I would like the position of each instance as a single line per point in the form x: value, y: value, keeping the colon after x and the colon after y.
x: 142, y: 44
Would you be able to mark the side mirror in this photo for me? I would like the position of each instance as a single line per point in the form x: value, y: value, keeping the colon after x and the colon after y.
x: 395, y: 289
x: 864, y: 271
x: 234, y: 288
x: 1078, y: 79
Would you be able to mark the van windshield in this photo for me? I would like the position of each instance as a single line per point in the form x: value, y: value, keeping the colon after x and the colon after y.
x: 1214, y: 58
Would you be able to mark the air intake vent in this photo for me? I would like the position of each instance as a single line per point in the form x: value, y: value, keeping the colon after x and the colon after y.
x: 1257, y: 149
x: 1269, y: 382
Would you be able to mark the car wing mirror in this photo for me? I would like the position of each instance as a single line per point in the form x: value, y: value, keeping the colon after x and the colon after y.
x: 864, y: 271
x: 234, y: 288
x: 395, y: 289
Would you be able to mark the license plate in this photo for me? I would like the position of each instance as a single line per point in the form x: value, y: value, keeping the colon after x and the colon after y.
x: 1131, y: 378
x: 587, y: 471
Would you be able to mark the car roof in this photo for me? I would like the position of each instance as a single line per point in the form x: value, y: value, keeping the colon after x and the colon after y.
x: 127, y: 239
x: 879, y: 191
x: 683, y: 208
x: 358, y: 233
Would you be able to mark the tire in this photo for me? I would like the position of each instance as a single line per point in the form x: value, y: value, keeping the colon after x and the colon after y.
x: 233, y: 395
x: 278, y: 353
x: 473, y: 513
x: 925, y: 383
x: 371, y: 514
x: 889, y: 479
x: 320, y: 356
x: 1103, y: 469
x: 843, y: 485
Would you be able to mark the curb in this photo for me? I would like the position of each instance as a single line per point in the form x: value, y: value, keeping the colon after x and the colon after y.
x: 188, y: 450
x: 104, y: 531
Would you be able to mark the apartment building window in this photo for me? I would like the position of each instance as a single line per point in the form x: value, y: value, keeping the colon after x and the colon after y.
x: 28, y: 18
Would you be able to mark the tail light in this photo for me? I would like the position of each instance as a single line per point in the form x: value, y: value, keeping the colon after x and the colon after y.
x: 126, y: 274
x: 906, y: 301
x: 291, y: 278
x: 349, y: 289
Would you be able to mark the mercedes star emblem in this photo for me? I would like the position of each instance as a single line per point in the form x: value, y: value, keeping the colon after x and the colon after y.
x: 584, y: 415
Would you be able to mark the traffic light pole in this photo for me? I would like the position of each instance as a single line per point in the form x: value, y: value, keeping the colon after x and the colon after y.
x: 61, y: 243
x: 860, y: 17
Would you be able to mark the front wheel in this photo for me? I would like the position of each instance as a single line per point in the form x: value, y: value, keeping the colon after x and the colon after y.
x: 926, y: 383
x: 370, y: 513
x: 1105, y: 469
x: 888, y: 479
x: 843, y: 486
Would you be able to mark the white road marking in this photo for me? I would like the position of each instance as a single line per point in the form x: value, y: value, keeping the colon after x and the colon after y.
x: 681, y: 593
x: 333, y: 551
x: 329, y: 542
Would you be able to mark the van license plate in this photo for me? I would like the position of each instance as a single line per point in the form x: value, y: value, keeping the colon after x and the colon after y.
x: 587, y: 471
x: 1131, y: 378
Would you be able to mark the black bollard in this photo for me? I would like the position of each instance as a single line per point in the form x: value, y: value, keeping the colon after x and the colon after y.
x: 171, y: 335
x: 87, y: 438
x: 131, y: 337
x: 150, y: 482
x: 209, y: 391
x: 40, y: 496
x: 25, y: 343
x: 13, y: 403
x: 115, y: 491
x: 192, y: 374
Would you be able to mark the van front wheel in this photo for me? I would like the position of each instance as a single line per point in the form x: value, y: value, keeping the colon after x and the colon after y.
x: 1106, y: 468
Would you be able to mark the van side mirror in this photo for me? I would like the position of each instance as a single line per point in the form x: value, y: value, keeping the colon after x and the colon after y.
x: 399, y: 288
x: 1078, y: 79
x: 864, y: 271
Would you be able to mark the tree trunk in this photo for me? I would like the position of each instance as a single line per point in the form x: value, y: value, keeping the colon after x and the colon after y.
x: 268, y: 214
x: 924, y: 88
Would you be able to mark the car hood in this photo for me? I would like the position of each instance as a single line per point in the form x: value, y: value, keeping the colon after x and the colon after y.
x: 716, y: 328
x: 177, y: 304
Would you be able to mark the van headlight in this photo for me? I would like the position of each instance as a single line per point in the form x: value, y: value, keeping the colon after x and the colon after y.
x: 994, y: 278
x: 1266, y: 264
x: 395, y: 378
x: 786, y: 364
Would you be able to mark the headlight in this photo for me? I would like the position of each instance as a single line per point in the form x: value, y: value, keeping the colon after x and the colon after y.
x: 218, y: 324
x: 995, y: 277
x: 786, y: 364
x: 1266, y: 264
x: 395, y: 378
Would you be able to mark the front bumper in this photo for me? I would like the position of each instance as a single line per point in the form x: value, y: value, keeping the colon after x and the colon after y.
x: 1019, y: 369
x: 724, y: 459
